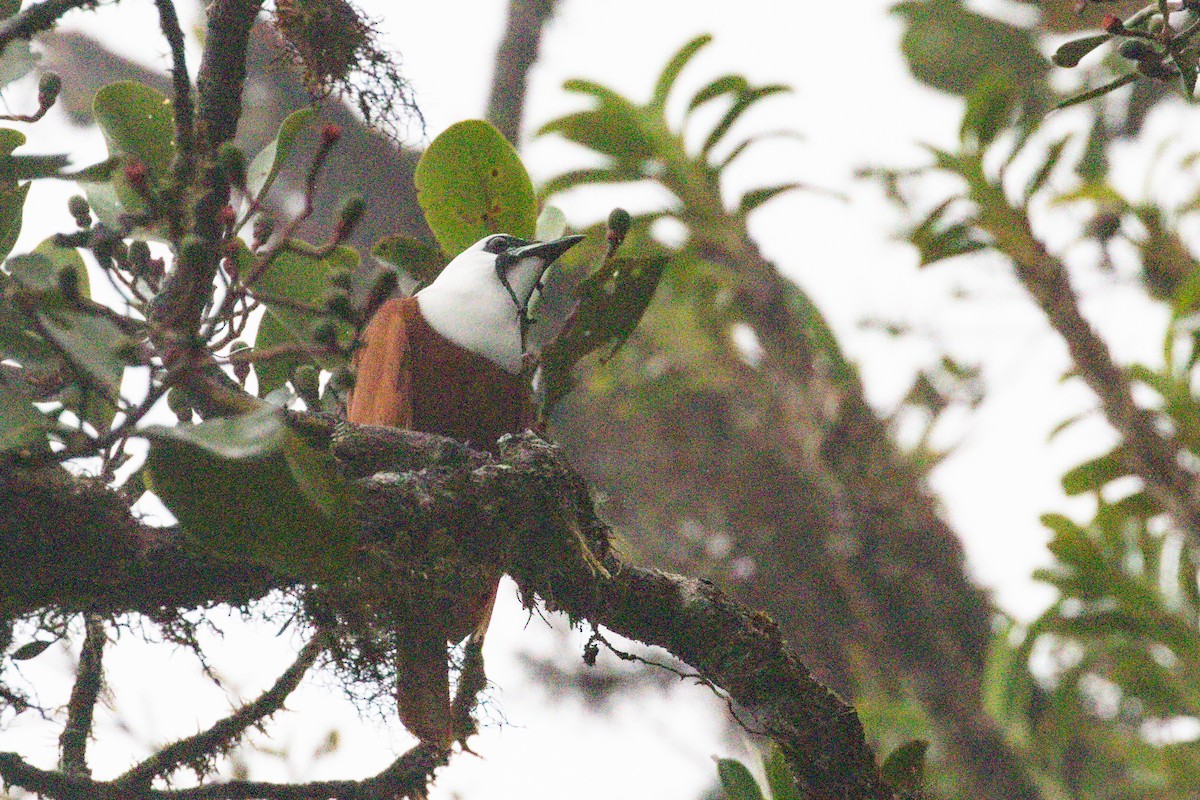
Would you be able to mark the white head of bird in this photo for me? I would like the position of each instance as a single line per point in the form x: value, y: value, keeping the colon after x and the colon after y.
x: 479, y: 300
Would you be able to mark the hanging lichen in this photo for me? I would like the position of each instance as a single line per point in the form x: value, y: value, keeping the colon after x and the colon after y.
x: 335, y: 43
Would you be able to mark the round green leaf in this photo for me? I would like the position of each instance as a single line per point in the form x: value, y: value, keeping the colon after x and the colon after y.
x: 418, y: 259
x: 249, y: 488
x: 266, y: 165
x: 470, y: 183
x: 138, y: 123
x: 302, y: 278
x: 62, y: 258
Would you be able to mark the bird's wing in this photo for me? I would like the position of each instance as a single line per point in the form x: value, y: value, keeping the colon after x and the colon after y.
x: 383, y: 386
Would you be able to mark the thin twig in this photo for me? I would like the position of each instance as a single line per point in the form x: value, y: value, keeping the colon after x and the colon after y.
x: 407, y: 776
x: 89, y: 679
x: 217, y: 739
x: 185, y: 132
x: 177, y: 314
x: 38, y: 18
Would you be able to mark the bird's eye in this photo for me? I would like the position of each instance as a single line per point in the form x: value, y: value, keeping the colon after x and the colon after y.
x: 497, y: 244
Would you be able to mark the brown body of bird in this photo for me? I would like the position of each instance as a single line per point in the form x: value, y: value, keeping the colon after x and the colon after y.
x: 448, y: 361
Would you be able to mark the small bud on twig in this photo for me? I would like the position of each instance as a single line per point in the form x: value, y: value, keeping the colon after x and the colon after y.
x: 48, y: 88
x: 241, y: 369
x: 232, y: 163
x: 618, y: 228
x: 264, y: 226
x: 349, y: 214
x: 68, y: 284
x: 79, y: 208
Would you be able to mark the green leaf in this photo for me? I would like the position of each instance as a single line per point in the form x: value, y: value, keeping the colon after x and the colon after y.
x: 301, y: 278
x: 780, y: 779
x: 757, y: 197
x: 947, y: 47
x: 422, y: 261
x: 61, y: 258
x: 662, y: 89
x: 612, y: 301
x: 726, y: 84
x: 21, y: 425
x: 1053, y: 155
x: 137, y: 123
x: 904, y: 769
x: 744, y: 100
x: 90, y: 343
x: 581, y: 177
x: 471, y: 183
x: 31, y: 649
x: 744, y: 144
x: 1094, y: 474
x: 1069, y: 54
x: 12, y: 206
x: 12, y: 195
x: 616, y: 127
x: 26, y: 168
x: 36, y: 272
x: 936, y: 239
x: 265, y: 166
x: 249, y: 488
x: 17, y: 61
x: 551, y: 224
x: 737, y: 781
x: 990, y: 105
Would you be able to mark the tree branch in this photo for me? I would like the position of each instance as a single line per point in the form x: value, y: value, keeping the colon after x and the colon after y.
x: 222, y: 736
x: 89, y: 679
x: 405, y: 777
x: 178, y: 309
x: 71, y: 543
x: 542, y: 528
x: 517, y: 51
x: 185, y: 129
x: 37, y: 18
x: 895, y: 563
x: 1151, y: 455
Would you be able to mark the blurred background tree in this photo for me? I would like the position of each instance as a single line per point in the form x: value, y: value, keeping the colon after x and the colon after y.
x: 732, y: 434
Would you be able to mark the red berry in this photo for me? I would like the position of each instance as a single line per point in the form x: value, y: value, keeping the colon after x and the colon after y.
x: 136, y: 173
x: 331, y: 133
x: 1112, y: 24
x: 228, y: 216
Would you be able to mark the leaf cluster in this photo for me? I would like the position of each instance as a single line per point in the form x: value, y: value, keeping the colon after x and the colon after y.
x: 1092, y: 688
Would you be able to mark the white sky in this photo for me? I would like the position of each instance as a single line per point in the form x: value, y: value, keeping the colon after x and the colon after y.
x: 855, y: 106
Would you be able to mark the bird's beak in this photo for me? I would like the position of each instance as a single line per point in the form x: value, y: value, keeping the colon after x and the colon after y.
x: 548, y: 252
x: 545, y: 252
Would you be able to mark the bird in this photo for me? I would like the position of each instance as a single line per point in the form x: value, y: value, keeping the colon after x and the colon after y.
x: 450, y: 360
